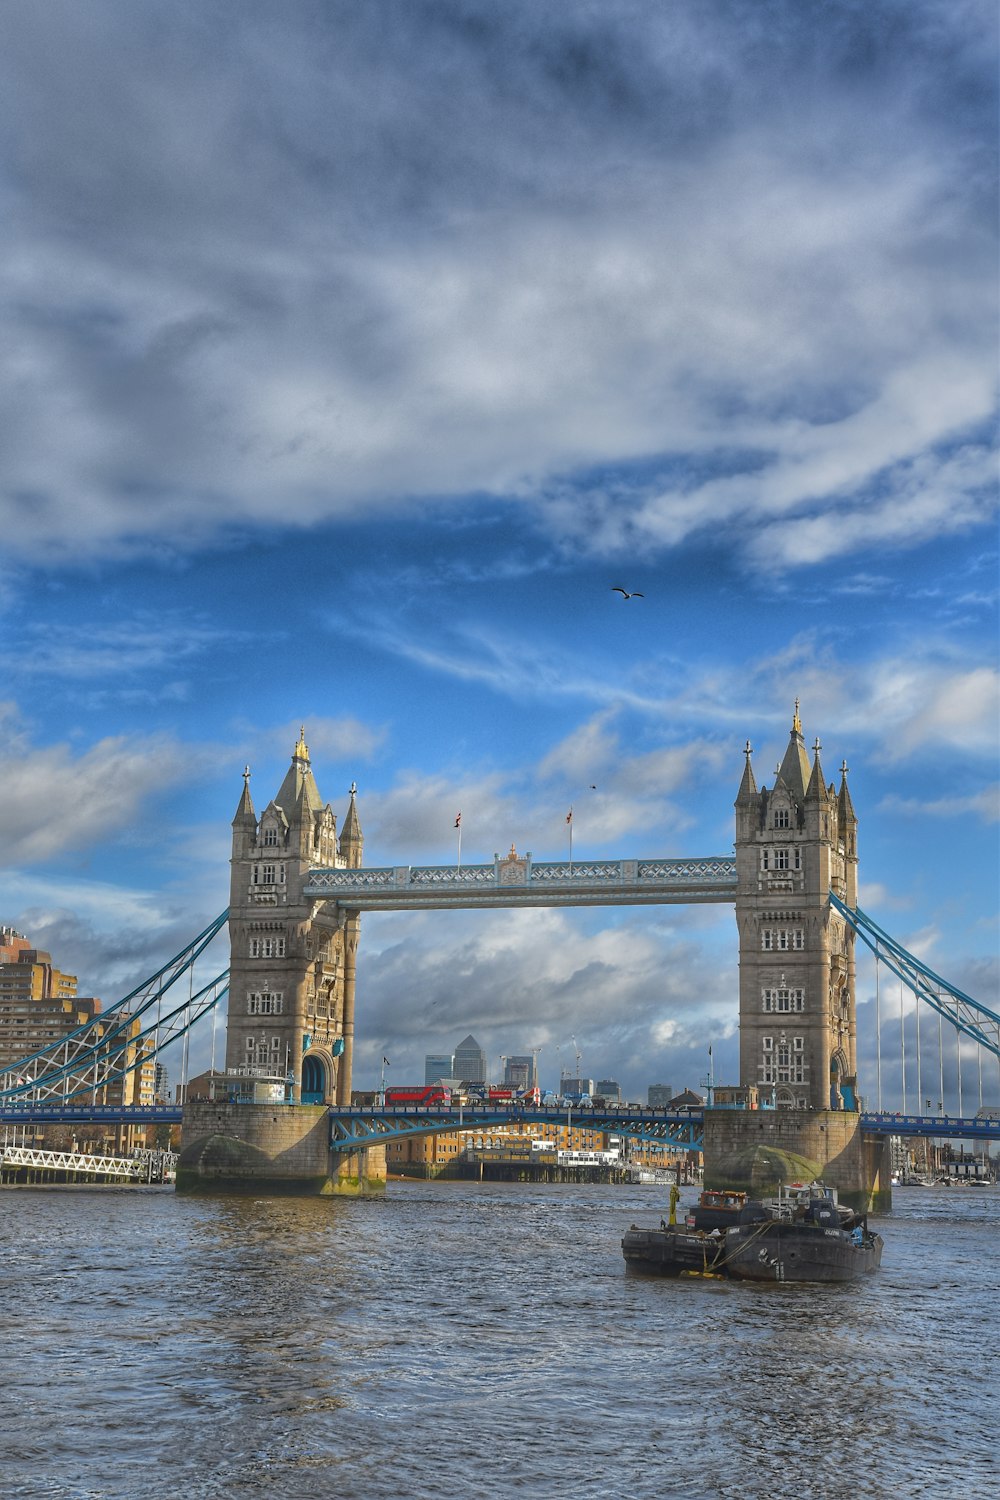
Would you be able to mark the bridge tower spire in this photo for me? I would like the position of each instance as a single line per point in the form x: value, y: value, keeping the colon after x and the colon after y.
x: 287, y: 972
x: 795, y: 843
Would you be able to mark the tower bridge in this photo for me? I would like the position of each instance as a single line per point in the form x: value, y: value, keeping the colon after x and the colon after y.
x: 299, y: 890
x: 298, y: 893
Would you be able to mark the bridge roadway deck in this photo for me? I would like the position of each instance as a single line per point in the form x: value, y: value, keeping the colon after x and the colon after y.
x: 355, y: 1126
x: 352, y: 1126
x: 525, y: 882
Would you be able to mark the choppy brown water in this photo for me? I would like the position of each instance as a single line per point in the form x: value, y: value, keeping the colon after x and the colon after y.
x: 480, y: 1341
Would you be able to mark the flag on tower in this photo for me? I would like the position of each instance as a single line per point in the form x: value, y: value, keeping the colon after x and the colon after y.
x: 569, y: 816
x: 458, y: 821
x: 387, y: 1062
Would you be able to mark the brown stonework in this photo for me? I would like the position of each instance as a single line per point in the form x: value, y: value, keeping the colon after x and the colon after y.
x: 271, y: 1149
x: 756, y: 1150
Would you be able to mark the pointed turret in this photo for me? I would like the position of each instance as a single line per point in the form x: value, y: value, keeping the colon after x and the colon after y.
x: 794, y: 769
x: 298, y: 790
x: 245, y: 814
x: 748, y: 786
x: 816, y: 790
x: 352, y: 841
x: 845, y: 806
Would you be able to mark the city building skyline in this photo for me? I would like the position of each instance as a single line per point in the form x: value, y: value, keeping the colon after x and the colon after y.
x: 470, y: 1063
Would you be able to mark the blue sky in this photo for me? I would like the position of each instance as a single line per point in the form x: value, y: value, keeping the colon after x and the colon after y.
x: 350, y: 354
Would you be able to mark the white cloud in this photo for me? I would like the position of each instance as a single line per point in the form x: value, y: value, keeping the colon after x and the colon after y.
x: 347, y: 297
x: 636, y: 994
x: 53, y: 800
x: 984, y: 804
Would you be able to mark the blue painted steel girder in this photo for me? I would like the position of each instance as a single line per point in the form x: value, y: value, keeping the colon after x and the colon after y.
x: 937, y: 1127
x: 69, y: 1114
x: 352, y: 1127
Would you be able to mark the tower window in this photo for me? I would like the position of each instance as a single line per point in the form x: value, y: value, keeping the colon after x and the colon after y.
x: 782, y: 938
x: 270, y: 836
x: 267, y: 947
x: 782, y: 818
x: 265, y: 1003
x: 784, y: 1000
x: 781, y: 859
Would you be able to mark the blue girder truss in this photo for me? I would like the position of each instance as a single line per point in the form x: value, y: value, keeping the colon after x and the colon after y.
x: 968, y: 1016
x: 353, y: 1127
x: 105, y: 1049
x: 982, y: 1127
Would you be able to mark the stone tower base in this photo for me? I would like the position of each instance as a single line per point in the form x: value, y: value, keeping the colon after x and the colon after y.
x: 271, y: 1149
x: 756, y: 1150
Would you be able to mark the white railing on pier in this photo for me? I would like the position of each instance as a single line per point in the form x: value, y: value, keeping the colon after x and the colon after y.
x: 72, y: 1161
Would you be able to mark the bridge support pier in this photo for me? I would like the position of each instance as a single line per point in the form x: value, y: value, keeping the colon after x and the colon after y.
x: 756, y: 1150
x: 271, y: 1149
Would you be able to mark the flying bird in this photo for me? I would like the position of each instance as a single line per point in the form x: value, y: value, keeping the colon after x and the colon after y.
x: 625, y: 593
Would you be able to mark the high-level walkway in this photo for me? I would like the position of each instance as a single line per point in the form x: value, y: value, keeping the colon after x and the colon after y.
x: 520, y: 881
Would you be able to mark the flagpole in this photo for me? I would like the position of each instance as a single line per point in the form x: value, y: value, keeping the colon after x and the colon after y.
x: 458, y: 825
x: 569, y: 820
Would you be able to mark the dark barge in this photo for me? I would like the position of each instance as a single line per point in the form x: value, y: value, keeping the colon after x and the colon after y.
x: 801, y: 1235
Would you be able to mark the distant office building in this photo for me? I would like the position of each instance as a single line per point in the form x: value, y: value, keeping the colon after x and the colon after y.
x: 437, y: 1066
x: 569, y: 1087
x: 470, y: 1061
x: 609, y: 1089
x: 521, y: 1073
x: 161, y: 1083
x: 659, y: 1095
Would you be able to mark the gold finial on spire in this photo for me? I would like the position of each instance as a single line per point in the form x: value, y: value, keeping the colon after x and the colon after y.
x: 301, y: 751
x: 796, y: 722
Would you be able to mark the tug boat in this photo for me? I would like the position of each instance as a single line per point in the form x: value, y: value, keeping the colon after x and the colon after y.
x: 803, y: 1234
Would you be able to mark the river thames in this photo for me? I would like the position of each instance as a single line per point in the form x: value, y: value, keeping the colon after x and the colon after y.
x: 480, y: 1340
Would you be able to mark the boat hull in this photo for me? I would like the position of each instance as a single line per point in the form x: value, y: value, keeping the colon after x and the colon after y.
x: 671, y: 1251
x: 792, y: 1252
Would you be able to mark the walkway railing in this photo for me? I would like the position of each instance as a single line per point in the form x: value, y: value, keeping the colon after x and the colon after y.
x: 520, y: 881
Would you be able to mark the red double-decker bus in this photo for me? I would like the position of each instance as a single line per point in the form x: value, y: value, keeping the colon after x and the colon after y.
x: 431, y: 1093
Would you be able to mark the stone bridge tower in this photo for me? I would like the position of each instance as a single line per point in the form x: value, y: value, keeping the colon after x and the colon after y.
x: 795, y: 843
x: 291, y: 986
